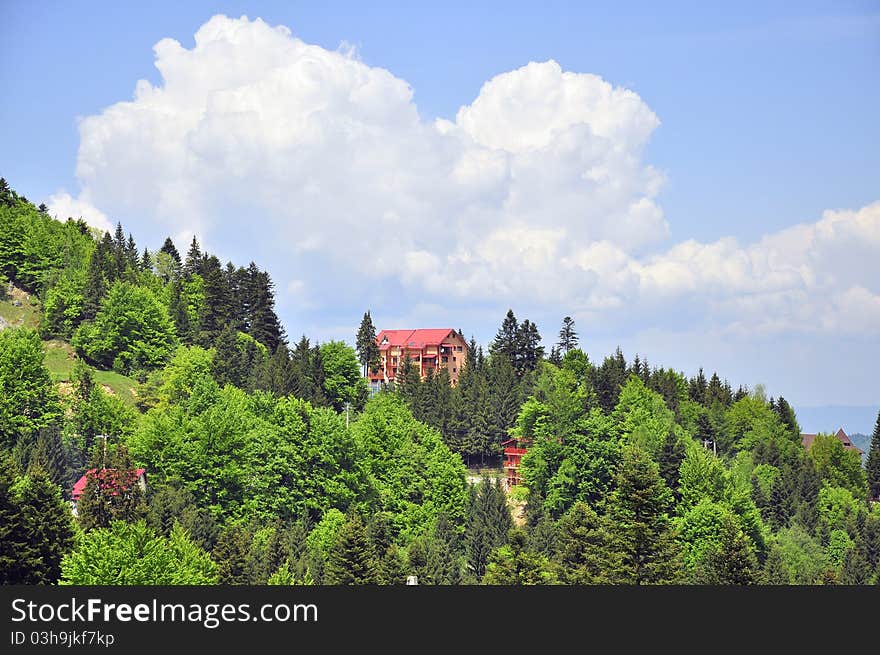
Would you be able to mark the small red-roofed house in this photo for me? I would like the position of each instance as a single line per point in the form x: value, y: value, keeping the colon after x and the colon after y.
x: 110, y: 482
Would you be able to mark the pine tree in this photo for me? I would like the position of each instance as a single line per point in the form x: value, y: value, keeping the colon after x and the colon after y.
x: 263, y: 323
x: 169, y: 248
x: 734, y: 561
x: 489, y: 523
x: 506, y: 339
x: 303, y: 385
x: 555, y: 356
x: 7, y: 195
x: 775, y: 569
x: 226, y: 365
x: 231, y: 555
x: 580, y: 546
x: 543, y: 537
x: 504, y: 400
x: 855, y: 569
x: 873, y: 463
x: 568, y: 338
x: 367, y: 348
x: 112, y: 492
x: 352, y: 561
x: 193, y: 262
x: 215, y: 309
x: 698, y: 387
x: 146, y: 261
x: 514, y: 564
x: 15, y: 547
x: 179, y: 311
x: 49, y: 526
x: 49, y: 455
x: 96, y: 282
x: 641, y: 549
x: 528, y: 349
x: 444, y: 554
x: 669, y: 460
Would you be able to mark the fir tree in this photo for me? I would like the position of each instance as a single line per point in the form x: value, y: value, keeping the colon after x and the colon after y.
x: 506, y: 340
x: 528, y: 349
x: 146, y: 261
x: 580, y: 545
x: 15, y: 547
x: 698, y: 387
x: 49, y: 526
x: 192, y: 264
x: 352, y: 561
x: 855, y: 569
x: 367, y: 348
x: 555, y: 356
x: 641, y: 549
x: 215, y: 309
x: 444, y: 554
x: 568, y: 338
x: 775, y: 569
x: 96, y: 282
x: 670, y: 459
x: 263, y: 323
x: 50, y: 456
x: 503, y: 400
x: 873, y: 463
x: 514, y: 564
x: 489, y: 523
x: 169, y: 248
x: 231, y: 555
x: 733, y: 562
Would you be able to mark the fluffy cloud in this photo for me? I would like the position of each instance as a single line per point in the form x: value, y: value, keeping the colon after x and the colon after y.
x: 321, y: 168
x: 63, y: 206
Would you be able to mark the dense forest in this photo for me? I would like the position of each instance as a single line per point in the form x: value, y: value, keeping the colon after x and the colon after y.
x: 270, y: 463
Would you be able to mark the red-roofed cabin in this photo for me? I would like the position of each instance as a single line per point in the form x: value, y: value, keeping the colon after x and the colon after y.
x: 514, y: 449
x: 109, y: 482
x: 429, y: 350
x: 808, y: 439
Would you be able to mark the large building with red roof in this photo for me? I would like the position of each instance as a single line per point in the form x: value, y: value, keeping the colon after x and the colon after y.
x: 429, y: 350
x: 808, y: 439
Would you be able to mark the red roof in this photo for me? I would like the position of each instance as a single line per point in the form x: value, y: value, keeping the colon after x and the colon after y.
x: 808, y: 439
x: 80, y: 486
x: 413, y: 339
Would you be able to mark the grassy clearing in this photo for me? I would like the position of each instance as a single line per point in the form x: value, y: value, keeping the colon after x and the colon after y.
x: 60, y: 359
x: 27, y: 315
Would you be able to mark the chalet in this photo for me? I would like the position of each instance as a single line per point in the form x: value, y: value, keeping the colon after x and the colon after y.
x: 808, y: 439
x: 110, y: 482
x: 514, y: 449
x: 429, y: 350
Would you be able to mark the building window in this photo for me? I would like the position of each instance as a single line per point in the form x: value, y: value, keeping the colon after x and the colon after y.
x: 458, y: 349
x: 445, y: 359
x: 453, y: 358
x: 454, y: 369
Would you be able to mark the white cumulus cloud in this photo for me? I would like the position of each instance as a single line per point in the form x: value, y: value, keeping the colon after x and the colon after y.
x: 320, y: 168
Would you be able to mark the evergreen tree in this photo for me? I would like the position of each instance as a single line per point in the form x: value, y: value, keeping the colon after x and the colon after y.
x: 169, y: 248
x: 352, y: 561
x: 96, y: 282
x: 855, y: 569
x: 642, y: 549
x: 367, y: 348
x: 555, y: 356
x: 568, y: 338
x: 50, y: 455
x: 303, y: 384
x: 231, y: 555
x: 179, y: 312
x: 669, y: 461
x: 787, y: 416
x: 698, y: 388
x: 506, y: 340
x: 503, y: 400
x: 775, y: 569
x: 263, y: 323
x: 7, y: 195
x: 514, y: 564
x: 580, y: 546
x: 543, y: 534
x: 15, y: 547
x: 609, y: 379
x: 48, y: 525
x: 215, y: 310
x: 489, y: 523
x: 873, y: 463
x: 528, y: 349
x: 146, y: 261
x: 193, y: 262
x: 226, y: 364
x: 444, y: 554
x: 733, y: 561
x: 112, y: 492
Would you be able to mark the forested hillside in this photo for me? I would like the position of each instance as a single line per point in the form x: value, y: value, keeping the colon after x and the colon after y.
x: 267, y: 461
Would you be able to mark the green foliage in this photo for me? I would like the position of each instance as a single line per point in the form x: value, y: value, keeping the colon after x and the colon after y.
x: 131, y: 331
x: 132, y: 554
x: 413, y: 475
x: 514, y: 564
x: 837, y: 466
x: 28, y: 401
x: 641, y: 546
x: 642, y: 416
x: 803, y: 555
x: 36, y: 529
x: 872, y: 466
x: 580, y: 546
x: 342, y: 378
x: 489, y: 522
x: 352, y: 560
x: 732, y: 560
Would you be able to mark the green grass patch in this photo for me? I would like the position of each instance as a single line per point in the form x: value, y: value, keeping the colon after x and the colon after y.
x: 60, y: 358
x: 27, y: 315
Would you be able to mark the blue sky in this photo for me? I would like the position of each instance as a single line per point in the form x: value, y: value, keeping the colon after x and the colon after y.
x: 751, y: 119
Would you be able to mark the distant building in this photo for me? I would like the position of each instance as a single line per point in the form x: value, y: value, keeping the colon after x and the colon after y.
x: 429, y: 350
x: 514, y: 449
x: 808, y: 439
x: 108, y: 483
